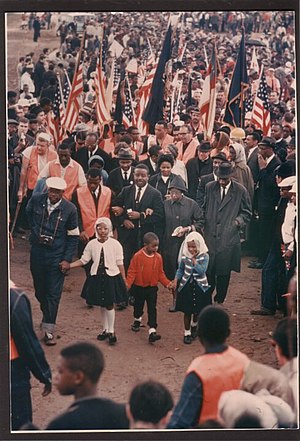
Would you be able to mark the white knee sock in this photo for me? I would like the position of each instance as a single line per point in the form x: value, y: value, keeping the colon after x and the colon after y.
x: 111, y: 320
x: 103, y: 318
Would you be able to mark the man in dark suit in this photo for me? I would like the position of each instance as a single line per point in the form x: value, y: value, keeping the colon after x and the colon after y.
x: 280, y: 144
x: 199, y: 166
x: 91, y: 148
x: 251, y: 149
x: 151, y: 161
x: 226, y: 210
x: 121, y: 176
x: 267, y: 194
x: 216, y: 160
x: 138, y: 210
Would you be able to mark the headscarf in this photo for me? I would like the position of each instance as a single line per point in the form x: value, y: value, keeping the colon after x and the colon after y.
x: 107, y: 222
x: 199, y: 242
x: 97, y: 157
x: 240, y: 158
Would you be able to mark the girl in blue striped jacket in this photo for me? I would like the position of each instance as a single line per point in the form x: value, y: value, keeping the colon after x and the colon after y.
x: 193, y: 292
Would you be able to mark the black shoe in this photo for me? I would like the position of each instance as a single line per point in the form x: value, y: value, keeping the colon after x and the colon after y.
x: 262, y: 311
x: 49, y: 339
x: 89, y: 306
x: 136, y: 326
x: 187, y: 339
x: 112, y: 339
x: 120, y: 307
x: 153, y: 337
x: 102, y: 336
x: 256, y: 265
x: 194, y: 332
x: 172, y: 309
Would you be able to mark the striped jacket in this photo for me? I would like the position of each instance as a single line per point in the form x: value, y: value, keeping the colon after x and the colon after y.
x: 187, y: 270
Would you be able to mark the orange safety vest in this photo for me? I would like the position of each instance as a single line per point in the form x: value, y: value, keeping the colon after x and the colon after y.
x: 33, y: 166
x: 190, y: 151
x: 14, y: 354
x: 109, y: 145
x: 218, y: 372
x: 71, y: 177
x: 88, y: 211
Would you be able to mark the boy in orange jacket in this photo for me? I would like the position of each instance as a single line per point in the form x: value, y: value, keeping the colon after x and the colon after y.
x: 144, y: 273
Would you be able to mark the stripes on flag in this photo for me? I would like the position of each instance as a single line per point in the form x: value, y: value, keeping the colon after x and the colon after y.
x: 207, y: 104
x: 261, y: 108
x: 144, y: 94
x: 102, y: 112
x: 73, y: 105
x: 128, y: 115
x: 56, y: 118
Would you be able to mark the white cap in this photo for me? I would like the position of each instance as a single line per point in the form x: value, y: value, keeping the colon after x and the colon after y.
x: 287, y: 182
x: 44, y: 136
x: 57, y: 183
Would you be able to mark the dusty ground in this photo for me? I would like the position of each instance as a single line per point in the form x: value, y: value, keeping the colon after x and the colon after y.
x: 133, y: 359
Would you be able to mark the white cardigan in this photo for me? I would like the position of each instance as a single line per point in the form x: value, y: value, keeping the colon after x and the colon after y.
x: 113, y: 255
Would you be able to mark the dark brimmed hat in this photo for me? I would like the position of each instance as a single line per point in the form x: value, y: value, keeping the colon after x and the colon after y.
x: 204, y: 147
x: 125, y: 154
x: 221, y: 156
x: 13, y: 121
x: 267, y: 141
x: 224, y: 170
x: 178, y: 183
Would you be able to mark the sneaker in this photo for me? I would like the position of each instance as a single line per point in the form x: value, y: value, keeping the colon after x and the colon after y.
x: 153, y: 337
x: 49, y: 339
x: 112, y: 339
x: 136, y: 326
x: 102, y: 336
x: 262, y: 311
x: 194, y: 332
x: 187, y: 339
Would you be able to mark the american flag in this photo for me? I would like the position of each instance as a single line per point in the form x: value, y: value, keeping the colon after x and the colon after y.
x: 56, y: 118
x: 117, y: 74
x: 102, y: 112
x: 261, y: 108
x: 73, y: 104
x: 128, y: 115
x: 148, y: 57
x: 144, y: 94
x: 207, y: 104
x: 249, y: 104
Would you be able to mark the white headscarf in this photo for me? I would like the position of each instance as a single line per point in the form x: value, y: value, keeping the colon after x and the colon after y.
x: 199, y: 242
x: 107, y: 222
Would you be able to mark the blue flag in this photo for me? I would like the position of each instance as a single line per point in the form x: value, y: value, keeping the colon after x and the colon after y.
x: 234, y: 111
x: 155, y: 106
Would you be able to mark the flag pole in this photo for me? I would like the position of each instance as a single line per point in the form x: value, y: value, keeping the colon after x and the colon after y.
x: 61, y: 92
x: 68, y: 78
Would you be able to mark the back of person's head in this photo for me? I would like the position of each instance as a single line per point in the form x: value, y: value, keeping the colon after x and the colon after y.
x: 213, y: 325
x: 150, y: 403
x: 285, y: 336
x: 84, y: 357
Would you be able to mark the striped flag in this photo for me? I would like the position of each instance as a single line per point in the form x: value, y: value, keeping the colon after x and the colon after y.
x: 102, y: 112
x: 56, y: 118
x: 207, y: 104
x: 73, y: 105
x: 261, y: 107
x: 144, y: 94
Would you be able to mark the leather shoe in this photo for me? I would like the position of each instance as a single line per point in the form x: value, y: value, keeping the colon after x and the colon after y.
x: 172, y: 309
x: 153, y: 337
x: 102, y: 336
x: 49, y: 339
x: 262, y: 311
x: 112, y: 339
x: 255, y: 265
x: 194, y: 332
x: 120, y: 307
x: 136, y: 326
x: 187, y: 339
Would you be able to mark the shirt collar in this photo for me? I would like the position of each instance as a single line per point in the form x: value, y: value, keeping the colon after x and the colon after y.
x: 268, y: 160
x: 71, y: 163
x: 53, y: 207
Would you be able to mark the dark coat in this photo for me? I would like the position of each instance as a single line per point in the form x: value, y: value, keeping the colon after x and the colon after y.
x: 149, y: 165
x: 82, y: 157
x: 252, y: 163
x: 157, y: 182
x: 221, y: 233
x: 281, y: 149
x: 201, y: 188
x: 195, y: 169
x: 116, y: 182
x: 267, y: 192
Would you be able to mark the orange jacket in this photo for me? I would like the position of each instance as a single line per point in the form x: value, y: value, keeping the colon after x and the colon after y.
x: 14, y: 354
x: 218, y: 372
x: 88, y: 211
x: 146, y: 270
x: 33, y: 169
x: 71, y: 177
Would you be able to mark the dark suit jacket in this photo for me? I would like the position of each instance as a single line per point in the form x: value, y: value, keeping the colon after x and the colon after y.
x: 281, y: 149
x: 201, y: 188
x: 195, y: 169
x: 267, y: 192
x: 149, y: 165
x: 82, y: 157
x: 116, y: 182
x: 151, y: 199
x: 252, y: 163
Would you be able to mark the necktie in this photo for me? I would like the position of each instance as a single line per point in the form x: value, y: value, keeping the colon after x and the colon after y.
x: 138, y: 196
x: 223, y: 194
x: 95, y: 198
x: 125, y: 177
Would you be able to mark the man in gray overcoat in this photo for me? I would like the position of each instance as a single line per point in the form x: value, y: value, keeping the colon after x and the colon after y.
x: 226, y: 209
